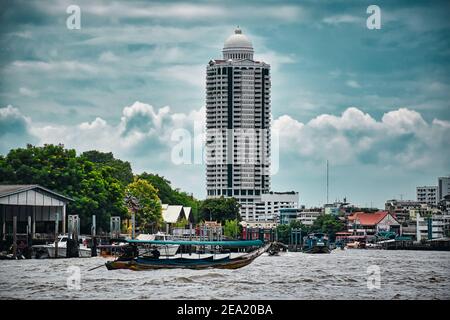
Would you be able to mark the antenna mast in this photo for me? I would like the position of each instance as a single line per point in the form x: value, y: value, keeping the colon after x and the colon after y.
x: 327, y: 181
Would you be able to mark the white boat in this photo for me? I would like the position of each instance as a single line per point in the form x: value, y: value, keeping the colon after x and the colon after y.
x: 164, y: 250
x: 83, y: 250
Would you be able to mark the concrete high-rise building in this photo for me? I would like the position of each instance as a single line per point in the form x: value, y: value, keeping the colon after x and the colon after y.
x: 427, y: 195
x: 443, y: 187
x: 238, y: 125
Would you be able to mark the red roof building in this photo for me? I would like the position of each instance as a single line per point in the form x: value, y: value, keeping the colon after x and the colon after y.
x: 364, y: 224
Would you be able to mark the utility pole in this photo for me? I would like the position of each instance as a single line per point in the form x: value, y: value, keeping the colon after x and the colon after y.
x: 327, y: 181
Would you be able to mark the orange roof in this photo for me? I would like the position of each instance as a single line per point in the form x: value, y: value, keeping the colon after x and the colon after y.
x: 368, y: 219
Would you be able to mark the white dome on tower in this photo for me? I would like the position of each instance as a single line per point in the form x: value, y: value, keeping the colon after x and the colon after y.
x: 238, y: 40
x: 238, y: 46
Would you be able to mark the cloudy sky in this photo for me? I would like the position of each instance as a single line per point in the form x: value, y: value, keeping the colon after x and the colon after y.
x: 375, y: 103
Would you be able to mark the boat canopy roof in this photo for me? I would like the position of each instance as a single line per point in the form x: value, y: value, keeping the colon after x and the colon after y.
x: 244, y: 243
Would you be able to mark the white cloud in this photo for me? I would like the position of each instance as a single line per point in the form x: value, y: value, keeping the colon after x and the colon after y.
x: 275, y: 59
x: 14, y: 129
x: 143, y: 136
x: 343, y: 18
x: 59, y: 69
x: 401, y: 138
x: 190, y: 74
x: 141, y: 129
x: 353, y: 84
x: 182, y: 11
x: 62, y: 66
x: 108, y: 56
x: 28, y: 92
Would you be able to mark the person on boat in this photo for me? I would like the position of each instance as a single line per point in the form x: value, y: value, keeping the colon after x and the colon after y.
x: 129, y: 252
x: 155, y: 253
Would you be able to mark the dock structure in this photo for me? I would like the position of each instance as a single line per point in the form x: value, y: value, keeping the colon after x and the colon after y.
x: 430, y: 245
x: 30, y: 212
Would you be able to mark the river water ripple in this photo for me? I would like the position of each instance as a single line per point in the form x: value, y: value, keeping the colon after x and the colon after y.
x: 339, y: 275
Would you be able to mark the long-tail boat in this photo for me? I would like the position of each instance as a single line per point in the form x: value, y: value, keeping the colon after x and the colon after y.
x: 134, y: 261
x: 316, y: 243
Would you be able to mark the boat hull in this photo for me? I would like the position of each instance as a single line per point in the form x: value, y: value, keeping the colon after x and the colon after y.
x: 62, y: 253
x: 317, y: 249
x: 140, y: 264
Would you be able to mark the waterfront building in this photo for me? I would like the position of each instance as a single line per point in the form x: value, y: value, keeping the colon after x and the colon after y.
x: 36, y: 210
x: 336, y: 208
x: 426, y: 225
x: 305, y: 216
x: 444, y: 204
x: 268, y: 208
x: 332, y: 209
x: 427, y: 195
x: 440, y: 226
x: 259, y: 224
x: 209, y: 230
x: 443, y: 187
x: 287, y: 215
x: 173, y: 214
x: 238, y: 125
x: 400, y: 208
x: 369, y: 224
x: 308, y: 216
x: 424, y: 210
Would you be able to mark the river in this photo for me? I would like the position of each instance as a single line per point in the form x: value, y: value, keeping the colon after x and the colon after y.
x: 339, y: 275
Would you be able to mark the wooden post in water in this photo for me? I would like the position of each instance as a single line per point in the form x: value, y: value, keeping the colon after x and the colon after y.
x: 56, y: 234
x: 94, y: 240
x: 133, y: 225
x: 4, y: 225
x: 29, y: 238
x: 14, y: 237
x: 64, y: 219
x: 33, y: 228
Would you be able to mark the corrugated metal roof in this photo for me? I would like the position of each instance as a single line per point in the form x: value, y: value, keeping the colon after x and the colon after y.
x: 171, y: 214
x: 10, y: 189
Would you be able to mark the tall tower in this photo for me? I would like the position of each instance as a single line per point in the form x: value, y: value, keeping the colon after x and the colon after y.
x: 238, y: 125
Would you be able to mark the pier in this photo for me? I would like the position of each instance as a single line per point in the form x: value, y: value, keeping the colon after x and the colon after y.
x: 431, y: 245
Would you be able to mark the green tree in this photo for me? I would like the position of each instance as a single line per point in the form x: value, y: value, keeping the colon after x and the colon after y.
x: 284, y: 233
x: 121, y: 170
x: 295, y: 224
x: 170, y: 196
x: 232, y: 228
x: 93, y: 188
x: 328, y: 224
x: 219, y: 209
x: 284, y: 230
x: 181, y: 224
x: 148, y: 215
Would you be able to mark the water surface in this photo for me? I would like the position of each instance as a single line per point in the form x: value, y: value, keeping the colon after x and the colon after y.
x: 339, y: 275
